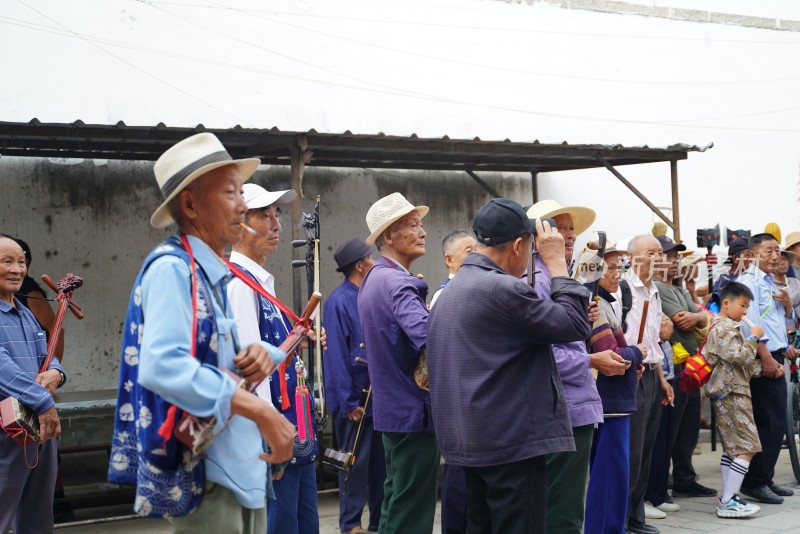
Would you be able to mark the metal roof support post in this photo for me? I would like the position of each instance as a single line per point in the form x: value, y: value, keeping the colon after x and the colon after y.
x: 676, y: 214
x: 535, y: 186
x: 483, y: 184
x: 636, y: 192
x: 300, y: 156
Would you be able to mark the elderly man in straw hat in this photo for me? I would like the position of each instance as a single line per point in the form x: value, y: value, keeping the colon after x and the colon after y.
x: 391, y: 304
x: 185, y: 355
x: 793, y: 246
x: 567, y: 471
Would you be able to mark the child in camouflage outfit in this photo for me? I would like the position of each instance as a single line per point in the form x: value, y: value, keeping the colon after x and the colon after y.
x: 733, y: 358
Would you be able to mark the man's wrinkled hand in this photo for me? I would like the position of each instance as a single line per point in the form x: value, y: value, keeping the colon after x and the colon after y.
x: 254, y: 363
x: 668, y: 394
x: 594, y: 311
x: 49, y: 380
x: 643, y: 349
x: 312, y: 335
x: 784, y: 298
x: 279, y: 434
x: 49, y: 424
x: 770, y: 368
x: 355, y: 415
x: 791, y: 352
x: 608, y: 363
x: 684, y: 320
x: 550, y: 246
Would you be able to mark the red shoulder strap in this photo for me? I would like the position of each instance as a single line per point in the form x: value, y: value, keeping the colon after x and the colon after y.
x: 241, y: 275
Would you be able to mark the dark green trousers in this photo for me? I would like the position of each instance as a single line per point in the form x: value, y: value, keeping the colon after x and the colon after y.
x: 566, y: 486
x: 412, y: 480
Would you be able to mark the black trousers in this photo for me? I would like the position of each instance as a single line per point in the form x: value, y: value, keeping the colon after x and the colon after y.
x: 658, y: 481
x: 685, y: 431
x: 508, y: 499
x: 644, y: 429
x: 454, y: 500
x: 769, y: 411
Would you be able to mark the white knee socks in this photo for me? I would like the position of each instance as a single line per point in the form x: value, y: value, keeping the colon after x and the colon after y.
x: 733, y: 482
x: 724, y: 467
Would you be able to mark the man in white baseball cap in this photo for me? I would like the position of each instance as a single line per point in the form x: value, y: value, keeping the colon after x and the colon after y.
x: 293, y: 508
x: 177, y: 361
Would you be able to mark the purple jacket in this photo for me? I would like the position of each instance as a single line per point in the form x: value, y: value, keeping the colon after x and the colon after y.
x: 391, y: 304
x: 572, y: 360
x: 495, y: 391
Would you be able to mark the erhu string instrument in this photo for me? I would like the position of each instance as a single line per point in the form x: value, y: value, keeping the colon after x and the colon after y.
x: 19, y: 421
x: 310, y: 222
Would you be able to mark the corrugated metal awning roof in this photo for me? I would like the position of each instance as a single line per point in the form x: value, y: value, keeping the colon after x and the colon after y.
x: 273, y: 146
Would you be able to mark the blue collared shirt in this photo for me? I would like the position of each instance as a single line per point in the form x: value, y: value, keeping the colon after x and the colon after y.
x: 23, y: 347
x: 764, y: 310
x: 167, y: 368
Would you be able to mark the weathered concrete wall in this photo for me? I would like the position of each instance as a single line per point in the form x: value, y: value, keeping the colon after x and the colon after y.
x: 91, y: 218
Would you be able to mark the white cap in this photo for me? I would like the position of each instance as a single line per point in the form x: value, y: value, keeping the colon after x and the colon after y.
x: 257, y: 197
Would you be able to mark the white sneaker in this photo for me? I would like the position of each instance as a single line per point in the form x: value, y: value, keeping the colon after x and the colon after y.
x: 736, y: 509
x: 669, y: 507
x: 651, y: 512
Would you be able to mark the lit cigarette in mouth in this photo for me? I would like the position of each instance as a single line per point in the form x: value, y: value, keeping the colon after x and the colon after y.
x: 248, y: 229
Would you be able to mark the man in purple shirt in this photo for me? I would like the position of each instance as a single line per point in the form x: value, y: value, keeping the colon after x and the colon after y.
x: 567, y: 471
x: 391, y: 304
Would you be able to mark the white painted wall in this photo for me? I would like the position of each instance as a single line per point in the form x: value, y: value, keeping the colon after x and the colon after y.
x: 455, y: 67
x: 463, y: 68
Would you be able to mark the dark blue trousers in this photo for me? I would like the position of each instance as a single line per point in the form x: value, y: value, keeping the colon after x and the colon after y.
x: 366, y: 478
x: 454, y: 500
x: 609, y: 477
x: 26, y: 495
x: 295, y: 509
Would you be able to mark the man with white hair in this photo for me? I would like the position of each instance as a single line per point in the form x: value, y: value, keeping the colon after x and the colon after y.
x: 391, y: 304
x: 653, y: 389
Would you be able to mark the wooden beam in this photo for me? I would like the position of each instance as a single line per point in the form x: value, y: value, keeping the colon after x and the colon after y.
x: 636, y: 192
x: 483, y: 184
x: 300, y: 156
x: 676, y: 213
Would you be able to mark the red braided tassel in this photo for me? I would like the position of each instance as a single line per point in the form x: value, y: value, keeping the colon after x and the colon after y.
x: 285, y: 402
x: 166, y: 428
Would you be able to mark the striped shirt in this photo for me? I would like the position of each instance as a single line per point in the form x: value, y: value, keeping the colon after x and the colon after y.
x: 23, y: 347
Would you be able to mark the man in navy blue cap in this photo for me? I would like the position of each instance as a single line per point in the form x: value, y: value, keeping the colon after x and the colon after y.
x: 496, y: 396
x: 346, y: 382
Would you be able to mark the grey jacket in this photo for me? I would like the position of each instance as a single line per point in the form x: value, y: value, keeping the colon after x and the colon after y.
x: 496, y: 395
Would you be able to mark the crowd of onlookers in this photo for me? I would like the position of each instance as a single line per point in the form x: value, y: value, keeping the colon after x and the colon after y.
x: 559, y: 388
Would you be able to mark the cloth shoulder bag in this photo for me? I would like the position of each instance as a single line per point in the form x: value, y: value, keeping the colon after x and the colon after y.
x: 696, y: 369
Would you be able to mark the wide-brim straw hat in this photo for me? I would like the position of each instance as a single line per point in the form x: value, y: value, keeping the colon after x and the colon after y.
x: 690, y: 260
x: 792, y: 239
x: 186, y: 161
x: 582, y: 218
x: 388, y: 210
